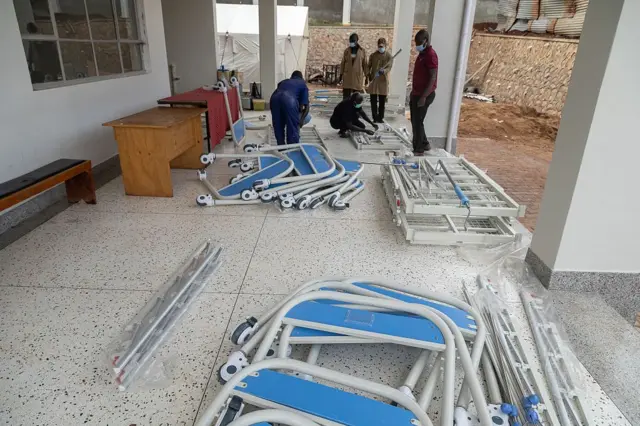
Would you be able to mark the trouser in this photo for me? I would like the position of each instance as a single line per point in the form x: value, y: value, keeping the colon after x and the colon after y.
x: 341, y: 125
x: 377, y: 107
x: 346, y: 93
x: 418, y: 114
x: 285, y: 117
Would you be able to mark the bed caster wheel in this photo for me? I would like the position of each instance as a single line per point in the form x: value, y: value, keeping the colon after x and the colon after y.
x: 288, y: 203
x: 250, y: 147
x: 249, y: 195
x: 267, y: 197
x: 261, y: 184
x: 235, y: 179
x: 333, y: 199
x: 204, y: 200
x: 246, y: 167
x: 285, y: 196
x: 304, y: 202
x: 232, y: 410
x: 243, y: 332
x: 236, y: 362
x: 234, y: 163
x: 207, y: 158
x: 340, y: 205
x: 316, y: 203
x: 202, y: 174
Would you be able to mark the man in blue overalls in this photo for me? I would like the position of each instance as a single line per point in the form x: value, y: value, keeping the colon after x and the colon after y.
x: 289, y: 107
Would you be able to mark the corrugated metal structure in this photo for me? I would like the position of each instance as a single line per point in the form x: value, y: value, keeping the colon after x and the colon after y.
x: 562, y: 17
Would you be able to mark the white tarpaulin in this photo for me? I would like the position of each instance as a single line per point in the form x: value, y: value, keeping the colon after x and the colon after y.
x: 239, y: 45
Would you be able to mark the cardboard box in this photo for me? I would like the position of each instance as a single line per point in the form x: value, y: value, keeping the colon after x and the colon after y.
x: 259, y: 104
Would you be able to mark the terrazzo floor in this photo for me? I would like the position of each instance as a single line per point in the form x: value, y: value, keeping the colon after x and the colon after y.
x: 69, y: 286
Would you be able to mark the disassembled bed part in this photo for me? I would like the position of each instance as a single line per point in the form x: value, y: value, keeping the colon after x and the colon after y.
x: 141, y: 339
x: 387, y: 138
x: 519, y: 383
x: 308, y: 134
x: 448, y: 201
x: 554, y: 362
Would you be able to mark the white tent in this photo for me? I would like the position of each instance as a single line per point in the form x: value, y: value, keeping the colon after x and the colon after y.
x: 238, y: 41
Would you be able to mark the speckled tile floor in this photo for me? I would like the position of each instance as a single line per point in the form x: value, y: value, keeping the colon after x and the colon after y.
x: 68, y: 287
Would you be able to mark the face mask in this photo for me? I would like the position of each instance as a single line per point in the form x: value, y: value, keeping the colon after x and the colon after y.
x: 381, y: 49
x: 420, y: 48
x: 358, y: 106
x: 352, y: 44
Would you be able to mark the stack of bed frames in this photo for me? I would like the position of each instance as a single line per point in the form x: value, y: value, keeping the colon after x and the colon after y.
x: 297, y: 176
x: 261, y: 375
x: 447, y: 200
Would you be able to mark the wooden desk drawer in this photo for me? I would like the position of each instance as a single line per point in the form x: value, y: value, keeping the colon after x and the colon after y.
x: 182, y: 137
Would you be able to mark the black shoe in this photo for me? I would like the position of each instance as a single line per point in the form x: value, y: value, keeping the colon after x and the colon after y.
x: 343, y: 134
x: 418, y: 154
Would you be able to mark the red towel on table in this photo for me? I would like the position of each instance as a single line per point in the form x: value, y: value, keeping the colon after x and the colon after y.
x: 218, y: 120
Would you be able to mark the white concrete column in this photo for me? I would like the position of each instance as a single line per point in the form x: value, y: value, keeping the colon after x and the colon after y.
x: 588, y: 220
x: 402, y: 37
x: 190, y: 37
x: 299, y: 2
x: 346, y: 12
x: 268, y: 18
x: 255, y: 2
x: 445, y: 39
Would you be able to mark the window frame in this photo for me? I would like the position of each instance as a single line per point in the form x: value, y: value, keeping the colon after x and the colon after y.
x: 141, y: 41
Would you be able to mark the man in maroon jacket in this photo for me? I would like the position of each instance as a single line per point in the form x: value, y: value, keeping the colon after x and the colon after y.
x: 425, y: 81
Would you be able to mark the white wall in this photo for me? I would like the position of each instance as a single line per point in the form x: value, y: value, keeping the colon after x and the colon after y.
x: 447, y: 20
x: 590, y: 208
x: 190, y: 32
x: 37, y: 127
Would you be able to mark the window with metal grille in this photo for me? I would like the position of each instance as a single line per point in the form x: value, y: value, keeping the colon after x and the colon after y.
x: 77, y: 41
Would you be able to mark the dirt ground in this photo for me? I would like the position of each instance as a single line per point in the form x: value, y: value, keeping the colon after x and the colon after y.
x: 514, y: 145
x: 512, y: 124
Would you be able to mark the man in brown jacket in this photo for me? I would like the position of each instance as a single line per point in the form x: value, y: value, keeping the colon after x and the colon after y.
x: 353, y: 67
x: 378, y: 68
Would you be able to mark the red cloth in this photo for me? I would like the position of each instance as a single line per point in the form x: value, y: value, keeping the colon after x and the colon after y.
x: 425, y: 62
x: 214, y: 100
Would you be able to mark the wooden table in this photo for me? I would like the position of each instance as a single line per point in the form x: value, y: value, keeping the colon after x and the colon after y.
x: 151, y: 142
x: 217, y: 119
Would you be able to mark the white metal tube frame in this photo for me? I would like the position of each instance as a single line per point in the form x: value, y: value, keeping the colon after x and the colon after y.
x: 292, y: 179
x: 281, y: 417
x: 450, y: 343
x: 452, y: 336
x: 216, y: 406
x: 348, y: 285
x: 208, y: 159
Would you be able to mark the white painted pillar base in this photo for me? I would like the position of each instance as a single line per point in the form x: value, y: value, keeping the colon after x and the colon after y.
x: 346, y: 12
x: 402, y: 37
x: 589, y: 212
x: 268, y: 41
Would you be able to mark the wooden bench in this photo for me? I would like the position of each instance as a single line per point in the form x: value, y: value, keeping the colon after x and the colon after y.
x: 76, y: 175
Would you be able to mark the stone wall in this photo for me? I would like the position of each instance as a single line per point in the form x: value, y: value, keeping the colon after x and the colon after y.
x: 374, y: 12
x: 526, y: 71
x: 327, y: 44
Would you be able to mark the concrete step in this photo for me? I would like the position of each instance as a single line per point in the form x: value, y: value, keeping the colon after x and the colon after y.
x: 606, y: 344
